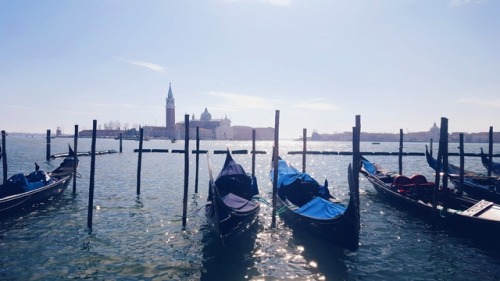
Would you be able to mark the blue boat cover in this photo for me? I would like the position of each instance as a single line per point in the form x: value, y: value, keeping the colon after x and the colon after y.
x: 287, y: 174
x: 369, y: 167
x: 321, y: 209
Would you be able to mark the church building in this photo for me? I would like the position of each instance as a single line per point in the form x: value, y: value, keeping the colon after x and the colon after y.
x: 209, y: 128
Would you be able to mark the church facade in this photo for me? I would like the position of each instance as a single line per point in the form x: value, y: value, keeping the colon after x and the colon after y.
x: 208, y: 127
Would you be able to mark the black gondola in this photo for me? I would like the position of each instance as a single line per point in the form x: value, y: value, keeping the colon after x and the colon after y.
x: 22, y: 192
x: 307, y: 206
x: 476, y: 185
x: 478, y: 218
x: 231, y: 204
x: 495, y: 166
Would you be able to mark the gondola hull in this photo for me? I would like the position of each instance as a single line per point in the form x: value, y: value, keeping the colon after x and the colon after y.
x: 28, y: 200
x: 231, y: 209
x: 476, y: 185
x: 458, y: 216
x: 16, y: 200
x: 228, y: 222
x: 495, y: 166
x: 341, y: 230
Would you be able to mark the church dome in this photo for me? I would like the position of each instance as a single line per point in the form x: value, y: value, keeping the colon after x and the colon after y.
x: 206, y: 116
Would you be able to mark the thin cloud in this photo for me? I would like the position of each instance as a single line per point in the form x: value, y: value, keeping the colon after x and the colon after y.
x: 148, y: 65
x: 123, y: 105
x: 239, y: 101
x: 316, y: 104
x: 280, y: 3
x: 466, y: 2
x: 494, y: 102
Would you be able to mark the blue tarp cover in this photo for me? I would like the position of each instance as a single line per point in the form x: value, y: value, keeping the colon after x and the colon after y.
x: 321, y: 209
x: 288, y: 174
x: 369, y: 167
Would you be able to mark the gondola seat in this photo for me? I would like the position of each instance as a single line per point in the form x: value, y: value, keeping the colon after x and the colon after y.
x: 241, y: 204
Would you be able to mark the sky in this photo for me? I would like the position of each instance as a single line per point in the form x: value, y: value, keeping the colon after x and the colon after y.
x: 399, y: 64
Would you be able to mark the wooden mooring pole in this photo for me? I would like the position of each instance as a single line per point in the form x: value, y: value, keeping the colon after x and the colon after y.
x: 121, y: 142
x: 139, y: 160
x: 186, y: 169
x: 304, y: 149
x: 253, y: 153
x: 275, y: 165
x: 462, y: 163
x: 4, y: 157
x: 444, y: 124
x: 490, y: 151
x: 442, y: 135
x: 400, y: 162
x: 75, y: 157
x: 197, y: 159
x: 47, y: 155
x: 92, y: 176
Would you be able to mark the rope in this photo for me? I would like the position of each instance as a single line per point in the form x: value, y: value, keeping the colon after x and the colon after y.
x: 260, y: 199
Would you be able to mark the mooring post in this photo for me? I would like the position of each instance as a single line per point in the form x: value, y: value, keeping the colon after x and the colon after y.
x: 4, y: 157
x: 197, y: 159
x: 430, y: 146
x: 92, y: 176
x: 139, y: 160
x: 490, y: 151
x: 445, y: 165
x: 462, y: 163
x: 356, y: 158
x: 356, y: 165
x: 186, y: 169
x: 253, y: 153
x: 275, y: 164
x: 121, y: 144
x: 400, y: 151
x: 304, y: 149
x: 443, y: 131
x: 47, y: 156
x: 75, y: 157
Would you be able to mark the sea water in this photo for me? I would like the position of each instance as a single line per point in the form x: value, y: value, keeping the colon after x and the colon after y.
x: 141, y: 237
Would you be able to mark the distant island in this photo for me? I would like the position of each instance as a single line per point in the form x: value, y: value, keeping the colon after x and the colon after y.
x: 432, y: 133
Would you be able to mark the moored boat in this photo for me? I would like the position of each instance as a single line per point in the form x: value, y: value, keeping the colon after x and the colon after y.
x: 231, y: 204
x: 495, y: 166
x: 477, y: 218
x: 307, y: 206
x: 22, y: 192
x: 476, y: 185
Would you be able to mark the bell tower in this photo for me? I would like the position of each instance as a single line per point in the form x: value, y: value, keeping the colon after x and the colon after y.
x: 170, y: 111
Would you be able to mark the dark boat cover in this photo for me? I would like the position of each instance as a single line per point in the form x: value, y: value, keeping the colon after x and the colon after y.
x: 234, y: 179
x: 238, y: 203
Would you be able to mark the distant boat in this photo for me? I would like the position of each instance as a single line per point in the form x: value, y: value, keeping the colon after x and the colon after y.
x: 375, y: 143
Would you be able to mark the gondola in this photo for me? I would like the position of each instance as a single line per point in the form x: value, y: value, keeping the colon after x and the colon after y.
x: 232, y: 206
x: 495, y: 166
x: 23, y: 192
x: 307, y: 206
x: 476, y: 218
x: 476, y: 185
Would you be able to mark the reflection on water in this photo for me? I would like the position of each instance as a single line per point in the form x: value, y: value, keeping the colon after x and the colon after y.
x: 140, y: 237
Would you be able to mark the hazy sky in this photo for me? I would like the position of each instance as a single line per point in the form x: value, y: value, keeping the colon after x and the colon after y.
x: 400, y: 64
